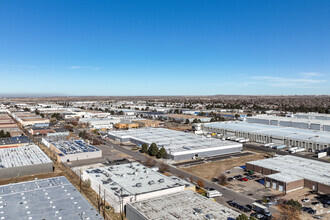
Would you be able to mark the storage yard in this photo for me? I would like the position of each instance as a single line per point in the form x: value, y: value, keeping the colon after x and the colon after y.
x: 291, y: 137
x: 22, y: 161
x: 289, y: 173
x: 180, y: 145
x: 185, y: 205
x: 53, y: 198
x: 130, y: 182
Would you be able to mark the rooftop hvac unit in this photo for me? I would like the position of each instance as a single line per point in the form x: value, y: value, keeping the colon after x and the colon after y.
x: 138, y: 184
x: 151, y: 182
x: 161, y: 180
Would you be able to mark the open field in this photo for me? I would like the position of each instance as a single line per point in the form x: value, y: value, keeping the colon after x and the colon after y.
x: 213, y: 169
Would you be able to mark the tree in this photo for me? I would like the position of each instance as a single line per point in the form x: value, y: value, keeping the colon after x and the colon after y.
x: 7, y: 134
x: 195, y: 120
x: 164, y: 168
x: 242, y: 217
x: 222, y: 179
x: 187, y: 121
x: 295, y: 204
x: 161, y: 153
x: 144, y: 148
x: 237, y: 116
x: 287, y: 212
x: 200, y: 183
x: 153, y: 149
x: 149, y: 162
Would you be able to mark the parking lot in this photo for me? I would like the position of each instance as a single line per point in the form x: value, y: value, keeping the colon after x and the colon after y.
x: 310, y: 201
x: 250, y: 184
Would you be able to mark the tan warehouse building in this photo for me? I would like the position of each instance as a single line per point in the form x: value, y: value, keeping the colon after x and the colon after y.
x: 290, y: 173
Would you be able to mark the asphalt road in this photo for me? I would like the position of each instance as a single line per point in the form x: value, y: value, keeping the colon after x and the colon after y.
x: 227, y: 194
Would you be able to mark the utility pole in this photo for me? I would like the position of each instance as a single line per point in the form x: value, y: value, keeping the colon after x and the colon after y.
x: 80, y: 179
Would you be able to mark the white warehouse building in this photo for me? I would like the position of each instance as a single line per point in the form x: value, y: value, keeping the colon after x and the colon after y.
x: 131, y: 182
x: 313, y: 124
x: 179, y: 145
x: 292, y: 137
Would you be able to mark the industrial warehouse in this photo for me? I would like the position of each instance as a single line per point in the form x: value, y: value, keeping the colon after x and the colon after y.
x: 290, y: 173
x: 23, y: 161
x: 71, y: 150
x: 53, y: 198
x: 130, y: 182
x: 291, y: 137
x: 179, y: 145
x: 313, y: 124
x: 185, y: 205
x: 14, y: 142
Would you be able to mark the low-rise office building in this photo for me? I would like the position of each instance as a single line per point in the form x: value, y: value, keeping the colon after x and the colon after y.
x: 120, y: 184
x: 53, y: 198
x: 185, y: 205
x: 23, y: 161
x: 71, y: 150
x: 290, y: 173
x: 291, y: 137
x: 179, y: 145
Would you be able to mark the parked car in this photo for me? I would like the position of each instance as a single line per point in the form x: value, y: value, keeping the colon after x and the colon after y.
x: 230, y: 179
x: 315, y: 203
x: 306, y: 200
x: 244, y: 179
x: 306, y: 209
x: 312, y: 211
x: 231, y: 202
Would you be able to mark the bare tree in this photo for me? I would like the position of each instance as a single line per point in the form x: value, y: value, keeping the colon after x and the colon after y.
x: 222, y: 179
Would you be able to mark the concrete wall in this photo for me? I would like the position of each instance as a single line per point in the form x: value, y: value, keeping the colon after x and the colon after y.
x: 206, y: 154
x: 26, y: 170
x: 133, y: 214
x: 81, y: 156
x: 295, y: 185
x: 324, y: 188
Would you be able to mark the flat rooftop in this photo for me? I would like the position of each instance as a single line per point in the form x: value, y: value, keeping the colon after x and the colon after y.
x: 22, y: 156
x: 14, y: 140
x: 174, y: 141
x: 185, y: 205
x: 293, y: 168
x: 132, y: 178
x: 72, y: 147
x: 272, y: 130
x: 291, y: 119
x: 53, y: 198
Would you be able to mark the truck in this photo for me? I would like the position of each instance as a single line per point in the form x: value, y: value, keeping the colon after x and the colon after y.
x: 261, y: 209
x: 297, y: 150
x: 213, y: 193
x: 277, y: 147
x: 268, y: 144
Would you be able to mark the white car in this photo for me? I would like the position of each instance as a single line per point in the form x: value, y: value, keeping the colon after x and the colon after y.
x: 306, y: 200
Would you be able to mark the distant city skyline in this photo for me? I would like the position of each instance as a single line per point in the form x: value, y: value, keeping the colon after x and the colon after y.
x: 142, y: 48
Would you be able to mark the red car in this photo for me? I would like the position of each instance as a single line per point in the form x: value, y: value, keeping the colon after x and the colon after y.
x: 244, y: 179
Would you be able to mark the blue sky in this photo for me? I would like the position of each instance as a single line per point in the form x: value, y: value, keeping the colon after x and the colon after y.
x: 172, y: 47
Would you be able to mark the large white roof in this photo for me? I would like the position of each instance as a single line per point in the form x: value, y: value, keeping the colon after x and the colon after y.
x: 22, y: 156
x: 185, y: 205
x: 293, y: 168
x: 175, y: 141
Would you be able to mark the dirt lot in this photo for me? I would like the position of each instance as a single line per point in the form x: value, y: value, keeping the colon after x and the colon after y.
x: 213, y: 169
